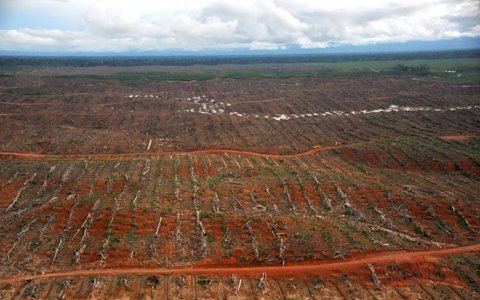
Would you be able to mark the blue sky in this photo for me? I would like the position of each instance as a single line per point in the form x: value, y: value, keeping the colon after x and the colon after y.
x: 145, y: 25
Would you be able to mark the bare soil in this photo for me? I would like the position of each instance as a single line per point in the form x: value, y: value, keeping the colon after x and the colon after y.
x: 149, y: 189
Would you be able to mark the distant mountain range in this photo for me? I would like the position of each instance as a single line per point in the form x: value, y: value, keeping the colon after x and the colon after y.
x: 453, y: 44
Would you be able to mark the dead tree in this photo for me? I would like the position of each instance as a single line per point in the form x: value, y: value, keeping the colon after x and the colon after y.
x: 384, y: 220
x: 237, y: 283
x: 215, y: 203
x: 98, y: 283
x: 420, y: 230
x: 103, y: 255
x: 279, y: 240
x: 353, y: 211
x: 153, y: 251
x: 387, y: 235
x: 43, y: 229
x: 33, y: 292
x: 202, y: 238
x: 227, y: 240
x: 16, y: 198
x: 263, y: 284
x: 193, y: 178
x: 463, y: 219
x: 292, y: 284
x: 145, y: 170
x: 177, y: 194
x: 15, y: 176
x: 121, y: 196
x: 180, y: 282
x: 18, y: 240
x: 158, y: 227
x: 252, y: 239
x: 125, y: 283
x: 66, y: 175
x: 56, y: 250
x: 6, y: 257
x: 252, y: 198
x: 439, y: 222
x: 267, y: 188
x: 63, y: 287
x: 471, y: 262
x: 325, y: 200
x: 84, y: 226
x: 109, y: 224
x: 444, y: 227
x: 79, y: 253
x: 196, y: 199
x: 134, y: 201
x: 305, y: 196
x: 287, y: 195
x: 109, y: 185
x: 374, y: 276
x: 235, y: 200
x: 15, y: 215
x: 403, y: 212
x: 373, y: 239
x: 339, y: 254
x: 44, y: 185
x: 25, y: 229
x: 178, y: 230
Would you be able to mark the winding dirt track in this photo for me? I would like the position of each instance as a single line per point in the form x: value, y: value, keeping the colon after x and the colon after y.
x: 114, y: 156
x: 288, y: 270
x: 117, y: 156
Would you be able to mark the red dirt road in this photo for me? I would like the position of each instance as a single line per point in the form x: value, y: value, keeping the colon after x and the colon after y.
x: 290, y: 269
x: 113, y: 156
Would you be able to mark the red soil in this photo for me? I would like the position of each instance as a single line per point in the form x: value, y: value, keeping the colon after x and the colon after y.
x: 415, y: 260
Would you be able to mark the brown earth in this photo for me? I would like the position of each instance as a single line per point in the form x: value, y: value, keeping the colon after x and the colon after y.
x: 84, y: 199
x: 457, y: 137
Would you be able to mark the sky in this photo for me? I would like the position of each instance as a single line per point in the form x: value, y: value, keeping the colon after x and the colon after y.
x: 158, y: 25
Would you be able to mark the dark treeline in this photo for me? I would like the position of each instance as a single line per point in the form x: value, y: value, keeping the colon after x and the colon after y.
x: 421, y: 70
x: 218, y: 60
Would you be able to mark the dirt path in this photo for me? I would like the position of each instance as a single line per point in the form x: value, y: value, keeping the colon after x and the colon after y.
x: 28, y: 103
x: 290, y: 269
x: 379, y: 98
x: 114, y: 156
x: 457, y: 137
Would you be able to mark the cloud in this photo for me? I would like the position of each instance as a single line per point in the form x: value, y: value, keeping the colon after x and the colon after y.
x: 107, y: 25
x: 112, y: 23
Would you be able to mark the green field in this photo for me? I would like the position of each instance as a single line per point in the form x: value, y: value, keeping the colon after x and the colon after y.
x: 466, y: 70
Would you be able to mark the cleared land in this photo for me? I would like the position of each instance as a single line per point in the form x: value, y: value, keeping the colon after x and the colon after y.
x: 294, y: 188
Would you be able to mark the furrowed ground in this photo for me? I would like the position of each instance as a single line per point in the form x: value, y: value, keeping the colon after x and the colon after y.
x: 329, y: 187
